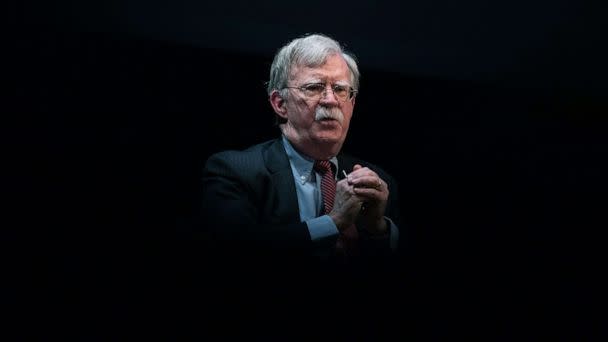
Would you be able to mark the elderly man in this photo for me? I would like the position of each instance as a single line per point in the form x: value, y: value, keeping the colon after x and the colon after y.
x: 298, y: 194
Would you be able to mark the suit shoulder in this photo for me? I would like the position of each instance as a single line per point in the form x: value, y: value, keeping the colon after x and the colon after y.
x: 250, y: 158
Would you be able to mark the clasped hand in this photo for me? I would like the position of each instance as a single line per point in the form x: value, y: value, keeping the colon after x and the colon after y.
x: 361, y: 195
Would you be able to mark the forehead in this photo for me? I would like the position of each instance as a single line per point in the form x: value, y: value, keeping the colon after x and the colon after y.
x: 334, y: 69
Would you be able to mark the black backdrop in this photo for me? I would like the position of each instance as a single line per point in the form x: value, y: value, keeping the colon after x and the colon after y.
x: 502, y: 184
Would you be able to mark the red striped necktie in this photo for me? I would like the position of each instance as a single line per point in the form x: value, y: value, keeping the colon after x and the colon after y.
x: 346, y: 244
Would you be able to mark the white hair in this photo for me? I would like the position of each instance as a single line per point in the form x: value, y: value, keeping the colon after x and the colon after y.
x: 310, y: 51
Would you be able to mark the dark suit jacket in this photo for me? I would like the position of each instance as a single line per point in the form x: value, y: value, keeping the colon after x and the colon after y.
x: 250, y: 201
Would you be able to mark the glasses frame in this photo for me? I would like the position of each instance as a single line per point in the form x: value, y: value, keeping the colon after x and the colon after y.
x: 352, y: 92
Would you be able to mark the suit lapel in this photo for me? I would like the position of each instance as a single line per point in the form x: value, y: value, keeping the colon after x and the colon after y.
x: 282, y: 183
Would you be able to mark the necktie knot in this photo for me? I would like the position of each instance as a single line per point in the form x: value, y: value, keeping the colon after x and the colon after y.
x: 322, y: 166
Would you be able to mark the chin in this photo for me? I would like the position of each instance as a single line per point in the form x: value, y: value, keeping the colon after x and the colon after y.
x: 336, y: 142
x: 330, y: 135
x: 329, y: 138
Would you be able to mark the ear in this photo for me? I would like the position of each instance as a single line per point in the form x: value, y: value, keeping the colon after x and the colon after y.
x: 278, y: 104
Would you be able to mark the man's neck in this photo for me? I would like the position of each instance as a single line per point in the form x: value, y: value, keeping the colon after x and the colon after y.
x: 315, y: 152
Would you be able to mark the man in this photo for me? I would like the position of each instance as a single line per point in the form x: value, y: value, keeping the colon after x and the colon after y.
x: 299, y: 195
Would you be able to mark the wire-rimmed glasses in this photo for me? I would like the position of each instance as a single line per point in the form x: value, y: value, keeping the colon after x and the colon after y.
x: 316, y: 90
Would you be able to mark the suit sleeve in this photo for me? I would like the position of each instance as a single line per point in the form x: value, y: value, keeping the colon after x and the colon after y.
x: 386, y: 245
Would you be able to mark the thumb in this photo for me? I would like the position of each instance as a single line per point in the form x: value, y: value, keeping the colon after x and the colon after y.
x: 357, y: 167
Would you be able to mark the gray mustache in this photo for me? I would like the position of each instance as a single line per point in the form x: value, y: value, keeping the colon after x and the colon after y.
x: 328, y: 113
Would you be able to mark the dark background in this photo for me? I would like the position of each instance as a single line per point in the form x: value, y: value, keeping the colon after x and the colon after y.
x: 491, y: 117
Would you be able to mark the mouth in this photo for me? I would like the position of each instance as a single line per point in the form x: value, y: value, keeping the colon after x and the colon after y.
x: 330, y: 124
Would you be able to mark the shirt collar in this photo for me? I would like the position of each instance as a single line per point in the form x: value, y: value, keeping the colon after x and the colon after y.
x: 302, y: 163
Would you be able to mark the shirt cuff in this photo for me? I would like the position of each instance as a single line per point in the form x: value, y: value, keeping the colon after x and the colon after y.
x: 321, y: 228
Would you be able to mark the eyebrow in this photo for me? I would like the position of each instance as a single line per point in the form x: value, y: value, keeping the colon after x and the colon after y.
x: 319, y: 77
x: 316, y: 80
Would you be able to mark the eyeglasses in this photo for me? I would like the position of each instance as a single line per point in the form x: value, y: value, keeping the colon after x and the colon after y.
x: 316, y: 90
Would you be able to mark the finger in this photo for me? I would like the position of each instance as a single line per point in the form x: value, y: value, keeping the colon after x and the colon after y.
x: 369, y: 194
x: 350, y: 176
x: 369, y: 200
x: 344, y: 186
x: 352, y: 203
x: 368, y: 182
x: 361, y: 172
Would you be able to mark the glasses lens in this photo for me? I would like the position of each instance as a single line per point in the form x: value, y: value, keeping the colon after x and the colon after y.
x: 341, y: 92
x: 316, y: 90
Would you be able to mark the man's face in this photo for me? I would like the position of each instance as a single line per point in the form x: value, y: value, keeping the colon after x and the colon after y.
x: 320, y: 123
